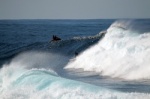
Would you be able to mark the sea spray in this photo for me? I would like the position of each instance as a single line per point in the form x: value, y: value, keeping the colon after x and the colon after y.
x: 21, y: 80
x: 43, y: 84
x: 122, y: 53
x: 39, y: 59
x: 25, y: 62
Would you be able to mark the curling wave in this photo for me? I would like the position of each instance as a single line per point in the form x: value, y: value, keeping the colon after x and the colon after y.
x: 19, y: 80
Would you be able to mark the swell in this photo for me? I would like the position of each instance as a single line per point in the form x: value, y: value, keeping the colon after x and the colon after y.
x: 76, y: 44
x: 67, y: 47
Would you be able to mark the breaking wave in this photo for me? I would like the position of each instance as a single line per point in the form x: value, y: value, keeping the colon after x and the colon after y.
x: 22, y: 79
x: 122, y: 53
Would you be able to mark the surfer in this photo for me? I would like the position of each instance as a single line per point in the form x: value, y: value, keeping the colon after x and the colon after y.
x: 55, y: 38
x: 76, y: 54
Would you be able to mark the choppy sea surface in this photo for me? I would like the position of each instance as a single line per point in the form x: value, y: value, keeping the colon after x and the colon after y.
x: 113, y: 60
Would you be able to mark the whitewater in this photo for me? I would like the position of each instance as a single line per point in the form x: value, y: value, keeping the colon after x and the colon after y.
x: 122, y: 53
x: 116, y: 66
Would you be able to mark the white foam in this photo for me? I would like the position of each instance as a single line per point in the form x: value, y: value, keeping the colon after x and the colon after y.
x: 59, y: 92
x: 29, y: 62
x: 122, y: 53
x: 22, y: 82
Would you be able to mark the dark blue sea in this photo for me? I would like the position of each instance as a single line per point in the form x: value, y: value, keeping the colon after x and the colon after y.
x: 95, y: 59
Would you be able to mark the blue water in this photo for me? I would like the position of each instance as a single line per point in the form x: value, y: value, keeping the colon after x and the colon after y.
x: 20, y: 35
x: 113, y: 60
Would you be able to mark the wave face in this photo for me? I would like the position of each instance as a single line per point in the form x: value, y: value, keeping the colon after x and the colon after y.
x: 23, y: 79
x: 124, y: 53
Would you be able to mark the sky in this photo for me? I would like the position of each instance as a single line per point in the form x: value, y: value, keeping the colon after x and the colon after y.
x: 74, y: 9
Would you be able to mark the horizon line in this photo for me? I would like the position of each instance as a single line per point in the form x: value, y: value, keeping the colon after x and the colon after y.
x: 75, y: 19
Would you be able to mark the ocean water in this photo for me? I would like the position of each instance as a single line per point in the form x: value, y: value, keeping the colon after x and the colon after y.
x: 112, y: 62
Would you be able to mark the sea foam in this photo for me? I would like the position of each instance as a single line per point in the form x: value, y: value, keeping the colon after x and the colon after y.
x: 122, y: 53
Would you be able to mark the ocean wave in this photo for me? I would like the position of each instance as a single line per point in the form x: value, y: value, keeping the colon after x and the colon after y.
x: 20, y: 83
x: 122, y: 53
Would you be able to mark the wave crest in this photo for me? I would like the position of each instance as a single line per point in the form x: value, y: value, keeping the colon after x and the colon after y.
x: 122, y: 53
